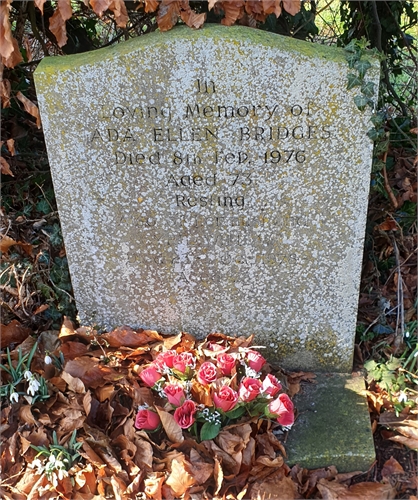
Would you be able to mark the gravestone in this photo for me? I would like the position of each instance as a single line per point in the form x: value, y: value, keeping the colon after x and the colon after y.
x: 213, y: 180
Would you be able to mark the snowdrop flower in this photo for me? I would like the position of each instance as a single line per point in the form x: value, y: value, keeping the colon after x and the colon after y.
x: 14, y: 397
x: 47, y: 360
x: 28, y: 375
x: 38, y: 465
x: 33, y: 386
x: 402, y: 398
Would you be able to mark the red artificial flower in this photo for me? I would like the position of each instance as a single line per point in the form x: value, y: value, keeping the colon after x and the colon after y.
x: 225, y: 362
x: 165, y: 359
x: 282, y: 408
x: 150, y: 375
x: 249, y: 389
x: 184, y: 415
x: 175, y: 394
x: 183, y: 360
x: 271, y: 385
x: 255, y: 360
x: 225, y: 399
x: 147, y: 420
x: 207, y: 373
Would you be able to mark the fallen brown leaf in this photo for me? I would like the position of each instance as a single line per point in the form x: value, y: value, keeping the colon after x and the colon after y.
x: 218, y: 475
x: 127, y: 337
x: 272, y: 487
x: 198, y: 468
x: 6, y: 242
x: 392, y: 466
x: 74, y: 383
x: 5, y: 168
x: 331, y: 490
x: 172, y: 429
x: 179, y: 480
x: 14, y: 333
x: 153, y: 485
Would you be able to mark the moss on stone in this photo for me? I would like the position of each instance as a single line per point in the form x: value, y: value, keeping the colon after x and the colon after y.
x: 214, y: 32
x: 332, y: 426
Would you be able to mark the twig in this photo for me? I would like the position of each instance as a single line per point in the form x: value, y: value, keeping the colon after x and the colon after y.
x: 389, y: 191
x: 400, y: 316
x: 64, y: 291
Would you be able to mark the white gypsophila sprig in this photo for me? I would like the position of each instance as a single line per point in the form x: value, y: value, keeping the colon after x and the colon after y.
x: 165, y: 370
x: 144, y: 406
x: 213, y: 418
x: 250, y: 372
x: 158, y: 388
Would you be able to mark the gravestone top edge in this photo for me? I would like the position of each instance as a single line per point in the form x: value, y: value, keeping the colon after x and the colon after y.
x: 183, y: 33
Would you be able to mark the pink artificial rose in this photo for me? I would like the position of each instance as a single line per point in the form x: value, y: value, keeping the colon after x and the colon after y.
x: 271, y: 385
x: 147, y: 420
x: 282, y: 408
x: 165, y: 359
x: 225, y: 399
x: 184, y: 415
x: 255, y: 360
x: 207, y: 373
x: 225, y: 362
x: 183, y: 360
x: 249, y: 389
x: 213, y: 346
x: 175, y: 394
x: 150, y: 375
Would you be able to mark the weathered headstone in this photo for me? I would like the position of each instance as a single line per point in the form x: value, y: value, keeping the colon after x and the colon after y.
x: 213, y: 180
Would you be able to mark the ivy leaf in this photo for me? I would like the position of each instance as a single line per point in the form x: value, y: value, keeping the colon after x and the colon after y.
x: 374, y: 134
x: 367, y: 89
x: 209, y: 431
x: 377, y: 119
x: 362, y: 67
x: 351, y: 47
x: 352, y: 59
x: 353, y: 81
x: 361, y: 102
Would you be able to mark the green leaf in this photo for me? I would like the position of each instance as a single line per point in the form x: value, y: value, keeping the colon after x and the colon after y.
x: 209, y: 431
x: 353, y: 81
x: 43, y: 207
x: 367, y: 89
x: 257, y: 409
x: 370, y: 365
x: 375, y: 134
x: 352, y: 58
x: 236, y: 412
x: 377, y: 119
x: 394, y: 364
x: 351, y: 47
x: 362, y: 67
x: 361, y: 102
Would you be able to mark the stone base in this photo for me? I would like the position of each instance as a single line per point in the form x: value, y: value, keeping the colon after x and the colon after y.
x: 333, y: 425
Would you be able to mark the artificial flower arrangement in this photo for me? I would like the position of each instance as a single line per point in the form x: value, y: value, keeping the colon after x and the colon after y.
x: 217, y: 384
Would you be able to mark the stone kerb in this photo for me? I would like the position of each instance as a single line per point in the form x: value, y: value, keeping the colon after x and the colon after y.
x: 213, y: 180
